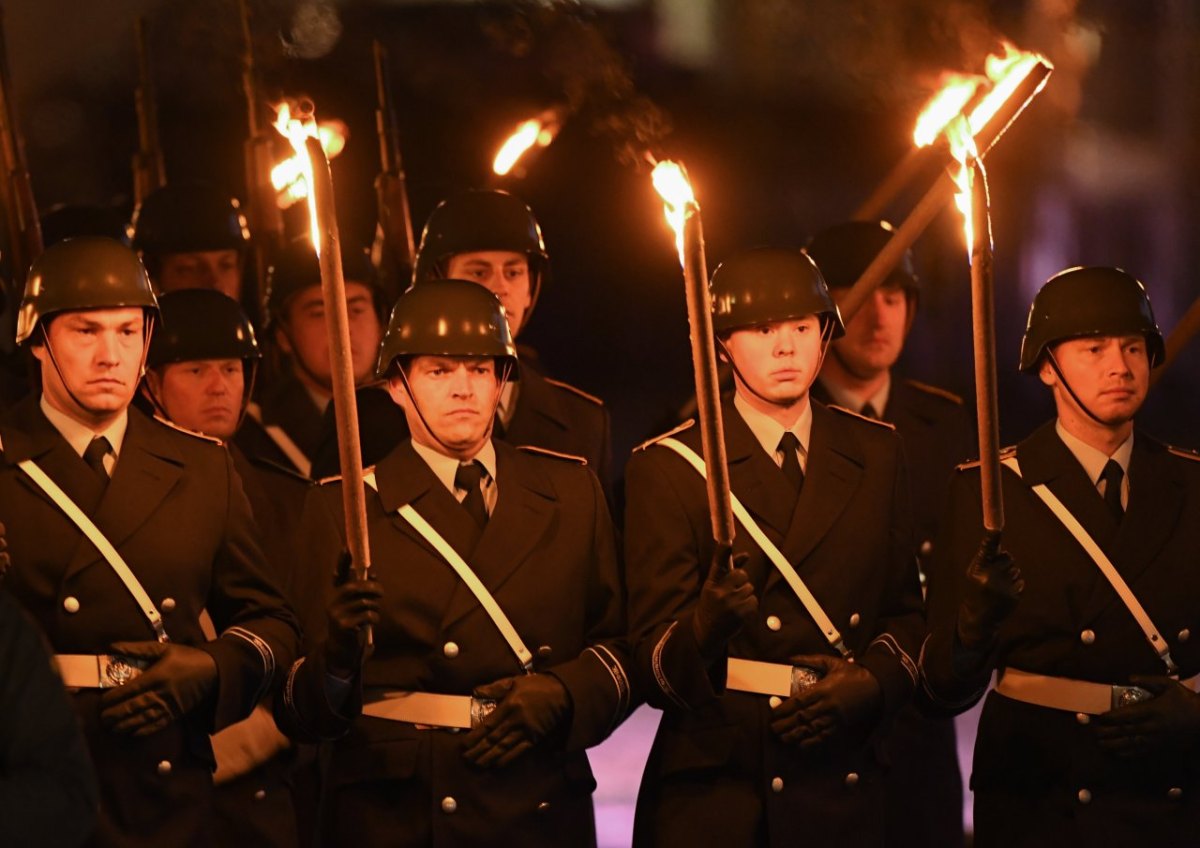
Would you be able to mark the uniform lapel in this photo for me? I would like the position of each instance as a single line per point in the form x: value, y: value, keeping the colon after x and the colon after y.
x: 28, y: 434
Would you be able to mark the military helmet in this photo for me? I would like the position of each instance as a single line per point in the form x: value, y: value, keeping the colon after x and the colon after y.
x: 188, y: 218
x: 69, y: 220
x: 297, y: 268
x: 481, y: 220
x: 446, y: 318
x: 197, y: 324
x: 89, y: 272
x: 844, y: 251
x: 770, y: 284
x: 1089, y: 301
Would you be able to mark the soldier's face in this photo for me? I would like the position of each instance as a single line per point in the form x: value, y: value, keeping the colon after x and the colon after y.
x: 99, y: 354
x: 456, y: 396
x: 505, y: 273
x: 304, y: 337
x: 205, y: 269
x: 875, y: 336
x: 1110, y: 374
x: 779, y: 361
x: 204, y: 395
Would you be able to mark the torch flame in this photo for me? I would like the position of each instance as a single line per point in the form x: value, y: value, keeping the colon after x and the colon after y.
x: 296, y: 130
x: 671, y: 183
x: 288, y: 177
x: 538, y: 131
x: 962, y: 146
x: 944, y: 107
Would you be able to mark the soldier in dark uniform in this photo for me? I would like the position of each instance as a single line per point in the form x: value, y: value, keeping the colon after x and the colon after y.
x: 924, y: 785
x: 771, y: 723
x: 532, y: 661
x: 169, y: 536
x: 201, y: 369
x: 1086, y: 740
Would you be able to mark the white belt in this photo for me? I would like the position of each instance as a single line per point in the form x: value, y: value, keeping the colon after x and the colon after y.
x: 96, y: 671
x: 1073, y: 696
x: 429, y: 710
x: 764, y: 678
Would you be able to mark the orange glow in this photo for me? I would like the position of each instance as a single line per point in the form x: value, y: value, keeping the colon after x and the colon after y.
x: 671, y: 183
x: 539, y: 131
x: 945, y: 106
x: 1005, y: 72
x: 288, y: 177
x: 962, y: 146
x: 296, y: 130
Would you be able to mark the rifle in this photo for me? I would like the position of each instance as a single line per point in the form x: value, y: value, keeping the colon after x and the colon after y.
x: 393, y: 251
x: 16, y: 191
x: 149, y: 173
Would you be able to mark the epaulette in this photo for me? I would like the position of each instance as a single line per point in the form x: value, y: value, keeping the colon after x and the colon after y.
x: 570, y: 457
x: 575, y: 391
x: 691, y: 422
x: 935, y: 391
x: 876, y: 421
x: 167, y: 422
x: 1005, y: 453
x: 1185, y: 453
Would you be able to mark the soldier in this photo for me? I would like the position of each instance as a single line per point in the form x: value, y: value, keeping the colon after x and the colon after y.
x: 924, y: 787
x: 770, y: 720
x: 501, y: 611
x: 1086, y: 739
x: 122, y: 532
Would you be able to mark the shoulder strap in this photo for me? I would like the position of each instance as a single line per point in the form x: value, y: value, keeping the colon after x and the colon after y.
x: 773, y: 553
x: 101, y: 543
x: 463, y: 570
x: 1157, y: 642
x: 282, y: 441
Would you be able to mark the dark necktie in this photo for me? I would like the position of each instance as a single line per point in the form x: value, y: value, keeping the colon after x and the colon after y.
x: 94, y: 455
x: 1112, y: 476
x: 468, y: 478
x: 790, y: 446
x: 868, y: 411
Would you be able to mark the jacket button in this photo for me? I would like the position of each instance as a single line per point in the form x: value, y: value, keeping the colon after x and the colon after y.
x: 1087, y: 637
x: 450, y: 649
x: 260, y: 794
x: 1174, y: 793
x: 777, y: 784
x: 1085, y: 796
x: 164, y: 768
x: 852, y: 780
x: 71, y: 604
x: 543, y: 806
x: 773, y: 622
x: 1083, y: 718
x: 544, y: 652
x: 168, y: 604
x: 774, y: 701
x: 1184, y: 635
x: 449, y: 805
x: 854, y: 619
x: 926, y: 547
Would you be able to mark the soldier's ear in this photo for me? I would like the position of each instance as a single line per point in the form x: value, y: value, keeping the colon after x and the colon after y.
x: 397, y: 388
x: 1046, y: 373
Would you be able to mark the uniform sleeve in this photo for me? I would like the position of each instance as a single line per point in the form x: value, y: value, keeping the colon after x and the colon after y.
x: 598, y: 680
x: 258, y: 634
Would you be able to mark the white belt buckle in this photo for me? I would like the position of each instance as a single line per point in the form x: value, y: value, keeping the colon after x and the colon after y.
x: 481, y: 708
x: 1124, y: 696
x: 116, y: 670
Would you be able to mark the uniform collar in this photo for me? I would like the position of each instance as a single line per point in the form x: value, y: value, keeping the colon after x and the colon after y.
x: 767, y: 431
x: 79, y: 436
x: 446, y: 467
x: 845, y: 398
x: 1093, y: 460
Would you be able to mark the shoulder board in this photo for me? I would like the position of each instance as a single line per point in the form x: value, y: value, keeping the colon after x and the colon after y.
x: 277, y: 468
x: 580, y: 392
x: 686, y: 425
x: 935, y: 391
x: 570, y: 457
x: 875, y: 421
x: 1005, y: 453
x: 166, y: 422
x: 1184, y: 452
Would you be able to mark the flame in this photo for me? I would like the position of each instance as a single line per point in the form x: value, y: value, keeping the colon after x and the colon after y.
x: 538, y: 131
x: 944, y: 107
x: 962, y: 146
x: 671, y: 183
x: 296, y: 130
x: 1006, y: 72
x: 288, y: 176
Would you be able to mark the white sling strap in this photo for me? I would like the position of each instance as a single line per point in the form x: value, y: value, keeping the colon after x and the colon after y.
x: 1157, y: 642
x: 102, y: 544
x: 282, y: 441
x: 481, y: 593
x: 773, y: 553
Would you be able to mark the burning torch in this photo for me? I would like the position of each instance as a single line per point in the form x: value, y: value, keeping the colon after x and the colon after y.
x: 531, y: 135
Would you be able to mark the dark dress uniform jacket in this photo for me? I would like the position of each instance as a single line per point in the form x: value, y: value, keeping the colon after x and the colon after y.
x: 176, y: 513
x: 1032, y: 762
x: 547, y: 555
x: 717, y: 775
x: 286, y: 404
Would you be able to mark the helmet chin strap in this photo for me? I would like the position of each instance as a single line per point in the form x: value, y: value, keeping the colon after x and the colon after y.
x: 146, y: 332
x: 1058, y: 372
x: 508, y: 368
x: 826, y: 343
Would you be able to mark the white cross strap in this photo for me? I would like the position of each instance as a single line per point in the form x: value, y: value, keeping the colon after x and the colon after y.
x: 1157, y: 642
x: 282, y: 441
x: 463, y: 570
x: 832, y: 636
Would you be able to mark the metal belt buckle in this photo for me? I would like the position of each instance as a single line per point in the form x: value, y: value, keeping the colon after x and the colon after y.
x: 481, y: 708
x: 117, y: 670
x: 1124, y: 696
x: 802, y: 678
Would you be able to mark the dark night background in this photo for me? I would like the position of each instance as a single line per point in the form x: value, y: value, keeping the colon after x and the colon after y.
x: 787, y: 113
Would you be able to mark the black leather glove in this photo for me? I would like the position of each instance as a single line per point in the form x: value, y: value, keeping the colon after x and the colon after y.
x: 179, y: 678
x: 353, y: 607
x: 846, y: 698
x: 530, y: 708
x: 727, y: 600
x: 1168, y: 721
x: 994, y: 584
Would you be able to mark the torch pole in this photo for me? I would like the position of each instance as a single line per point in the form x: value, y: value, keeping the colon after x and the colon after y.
x: 983, y: 320
x: 337, y: 323
x: 704, y: 364
x: 901, y: 175
x: 1184, y: 332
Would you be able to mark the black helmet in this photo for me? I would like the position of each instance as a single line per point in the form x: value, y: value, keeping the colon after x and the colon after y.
x: 89, y: 272
x: 481, y: 220
x: 770, y: 284
x: 297, y: 268
x: 69, y: 220
x: 187, y: 218
x: 1089, y: 302
x: 446, y: 318
x: 844, y: 251
x: 201, y: 324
